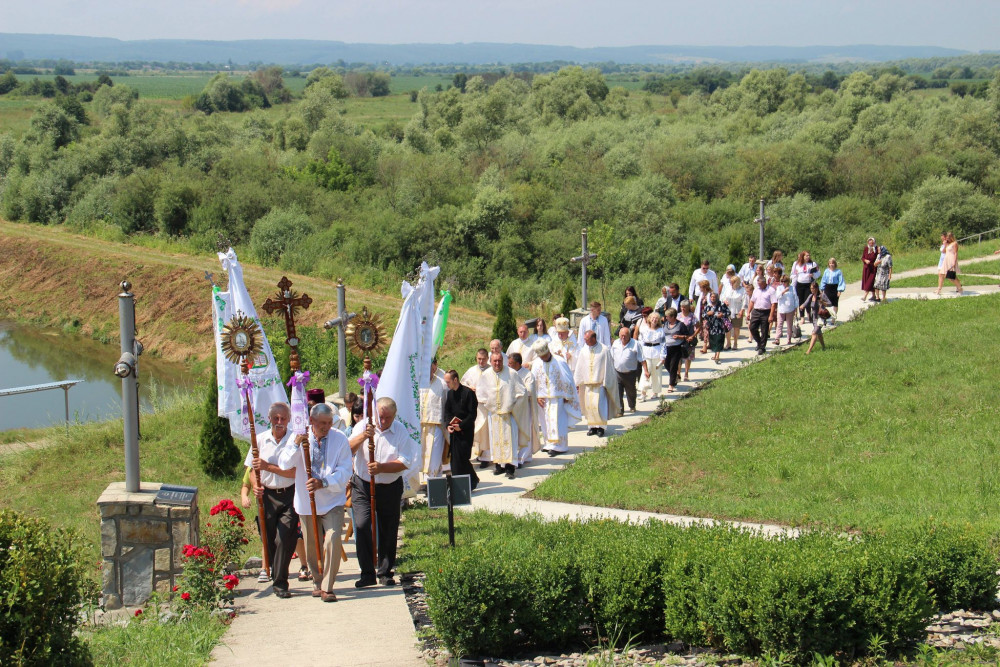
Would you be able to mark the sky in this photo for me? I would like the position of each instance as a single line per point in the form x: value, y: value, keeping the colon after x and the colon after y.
x: 963, y: 24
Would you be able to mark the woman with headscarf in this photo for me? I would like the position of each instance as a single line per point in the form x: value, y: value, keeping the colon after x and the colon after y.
x: 883, y: 272
x: 716, y: 321
x: 868, y: 257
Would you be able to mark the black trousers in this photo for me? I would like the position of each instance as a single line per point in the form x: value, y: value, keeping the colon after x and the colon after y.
x: 759, y: 327
x: 281, y: 519
x: 802, y: 292
x: 626, y: 387
x: 461, y: 452
x: 675, y: 354
x: 387, y: 510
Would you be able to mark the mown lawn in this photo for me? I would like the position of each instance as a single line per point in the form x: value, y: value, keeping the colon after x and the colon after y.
x: 931, y: 280
x: 894, y: 423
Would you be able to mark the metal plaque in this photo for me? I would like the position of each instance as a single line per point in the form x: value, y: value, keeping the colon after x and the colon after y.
x: 176, y: 495
x: 437, y: 491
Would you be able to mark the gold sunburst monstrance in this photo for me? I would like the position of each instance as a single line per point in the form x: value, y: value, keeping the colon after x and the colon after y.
x: 366, y: 333
x: 242, y: 339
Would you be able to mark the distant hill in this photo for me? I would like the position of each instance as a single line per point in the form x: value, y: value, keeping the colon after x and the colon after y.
x: 17, y: 46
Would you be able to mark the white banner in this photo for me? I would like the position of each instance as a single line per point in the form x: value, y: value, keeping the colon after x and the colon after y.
x: 267, y: 385
x: 425, y: 291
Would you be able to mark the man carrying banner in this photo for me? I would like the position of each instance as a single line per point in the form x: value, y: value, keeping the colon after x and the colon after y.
x: 498, y: 392
x: 559, y: 406
x: 598, y: 385
x: 330, y: 458
x: 395, y: 452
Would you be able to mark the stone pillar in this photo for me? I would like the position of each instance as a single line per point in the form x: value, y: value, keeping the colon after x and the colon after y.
x: 142, y: 540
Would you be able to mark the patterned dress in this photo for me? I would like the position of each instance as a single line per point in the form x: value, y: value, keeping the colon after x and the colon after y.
x: 882, y: 272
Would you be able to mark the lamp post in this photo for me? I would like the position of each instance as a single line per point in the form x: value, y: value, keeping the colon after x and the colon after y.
x: 761, y: 220
x: 127, y: 368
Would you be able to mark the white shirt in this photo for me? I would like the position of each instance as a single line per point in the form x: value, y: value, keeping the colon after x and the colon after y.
x: 652, y: 341
x: 390, y: 445
x: 700, y: 275
x: 788, y: 300
x: 746, y: 272
x: 736, y: 299
x: 626, y: 358
x: 804, y: 273
x: 331, y: 464
x: 269, y: 448
x: 599, y: 326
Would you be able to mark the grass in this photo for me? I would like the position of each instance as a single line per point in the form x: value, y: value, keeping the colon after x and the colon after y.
x: 931, y: 280
x: 915, y: 259
x: 894, y: 423
x: 990, y: 267
x: 147, y: 641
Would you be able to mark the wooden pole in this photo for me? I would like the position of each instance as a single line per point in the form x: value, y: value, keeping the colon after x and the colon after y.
x: 317, y: 538
x: 371, y: 459
x: 245, y: 367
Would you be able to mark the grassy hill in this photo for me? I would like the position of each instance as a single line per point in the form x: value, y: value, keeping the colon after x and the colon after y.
x: 894, y: 423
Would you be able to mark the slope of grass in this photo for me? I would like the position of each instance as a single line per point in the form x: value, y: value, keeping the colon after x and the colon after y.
x: 931, y: 280
x: 894, y: 423
x: 989, y: 266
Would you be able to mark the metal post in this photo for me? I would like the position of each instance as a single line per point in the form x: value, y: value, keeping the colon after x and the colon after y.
x: 584, y: 263
x: 126, y: 369
x: 66, y: 397
x: 341, y: 343
x: 762, y: 219
x: 451, y: 514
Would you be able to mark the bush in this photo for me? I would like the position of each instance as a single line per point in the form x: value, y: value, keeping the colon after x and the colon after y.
x: 42, y: 589
x: 276, y: 231
x: 217, y: 453
x: 505, y: 326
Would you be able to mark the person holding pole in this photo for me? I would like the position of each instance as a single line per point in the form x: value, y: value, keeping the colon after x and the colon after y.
x: 330, y: 462
x: 395, y: 452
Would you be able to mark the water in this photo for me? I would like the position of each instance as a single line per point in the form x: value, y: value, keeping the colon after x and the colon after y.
x: 30, y: 356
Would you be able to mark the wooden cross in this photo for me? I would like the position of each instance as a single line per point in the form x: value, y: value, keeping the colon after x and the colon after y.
x: 288, y: 302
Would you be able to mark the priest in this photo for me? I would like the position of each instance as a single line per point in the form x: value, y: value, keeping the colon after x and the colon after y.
x: 471, y: 377
x: 558, y: 403
x: 522, y: 346
x: 597, y: 383
x: 498, y: 392
x: 432, y: 435
x: 524, y: 411
x: 564, y: 344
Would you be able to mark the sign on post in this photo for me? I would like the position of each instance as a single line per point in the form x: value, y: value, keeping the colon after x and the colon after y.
x: 449, y: 491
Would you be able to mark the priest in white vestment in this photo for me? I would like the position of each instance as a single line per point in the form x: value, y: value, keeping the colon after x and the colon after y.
x: 558, y: 403
x: 480, y: 446
x: 597, y: 383
x: 432, y: 431
x: 522, y: 345
x: 524, y: 411
x: 564, y: 344
x: 498, y: 392
x: 497, y: 346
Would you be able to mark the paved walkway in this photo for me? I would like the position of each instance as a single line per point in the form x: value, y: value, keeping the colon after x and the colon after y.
x: 373, y: 626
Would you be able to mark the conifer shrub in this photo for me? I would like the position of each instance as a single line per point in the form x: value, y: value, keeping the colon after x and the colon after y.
x: 505, y: 326
x: 42, y: 589
x: 568, y: 300
x: 217, y: 453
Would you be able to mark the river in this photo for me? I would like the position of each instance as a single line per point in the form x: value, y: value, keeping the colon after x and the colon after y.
x: 30, y: 356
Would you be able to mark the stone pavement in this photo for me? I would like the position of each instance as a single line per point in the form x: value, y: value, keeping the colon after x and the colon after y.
x: 373, y: 626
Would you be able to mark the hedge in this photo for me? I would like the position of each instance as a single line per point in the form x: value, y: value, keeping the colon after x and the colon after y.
x: 527, y: 585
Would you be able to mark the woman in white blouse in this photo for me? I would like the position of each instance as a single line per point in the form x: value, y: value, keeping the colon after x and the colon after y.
x: 735, y: 296
x: 651, y: 341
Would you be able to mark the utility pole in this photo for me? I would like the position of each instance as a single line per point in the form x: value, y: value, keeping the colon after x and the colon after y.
x: 127, y: 369
x: 341, y: 322
x: 585, y: 258
x: 761, y: 220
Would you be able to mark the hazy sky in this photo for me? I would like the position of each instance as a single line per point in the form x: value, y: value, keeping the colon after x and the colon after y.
x: 963, y: 24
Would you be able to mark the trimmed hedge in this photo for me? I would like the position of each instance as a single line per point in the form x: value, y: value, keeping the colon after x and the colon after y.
x: 527, y: 585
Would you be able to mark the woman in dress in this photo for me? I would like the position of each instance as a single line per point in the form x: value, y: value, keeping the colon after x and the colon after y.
x: 736, y: 298
x: 883, y: 272
x: 804, y: 273
x: 704, y: 289
x: 651, y: 342
x: 716, y: 321
x: 674, y: 346
x: 950, y: 264
x: 832, y: 284
x: 816, y: 306
x: 868, y: 257
x: 690, y: 320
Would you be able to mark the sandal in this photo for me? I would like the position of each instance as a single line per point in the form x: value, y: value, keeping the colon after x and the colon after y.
x: 686, y: 378
x: 304, y: 574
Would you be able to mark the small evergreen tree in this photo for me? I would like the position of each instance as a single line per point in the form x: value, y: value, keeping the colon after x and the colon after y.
x: 735, y: 251
x: 217, y: 453
x: 695, y: 258
x: 505, y: 326
x: 569, y: 300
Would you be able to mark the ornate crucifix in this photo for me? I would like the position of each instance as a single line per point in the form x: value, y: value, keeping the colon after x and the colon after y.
x: 585, y: 258
x: 288, y: 302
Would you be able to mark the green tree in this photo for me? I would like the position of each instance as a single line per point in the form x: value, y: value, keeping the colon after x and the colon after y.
x: 174, y: 207
x: 459, y: 81
x: 276, y: 232
x: 217, y: 453
x: 505, y: 326
x: 945, y: 203
x: 736, y: 251
x: 695, y: 262
x: 568, y: 300
x: 8, y: 82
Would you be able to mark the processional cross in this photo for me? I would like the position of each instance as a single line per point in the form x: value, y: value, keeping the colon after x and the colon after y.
x: 585, y: 258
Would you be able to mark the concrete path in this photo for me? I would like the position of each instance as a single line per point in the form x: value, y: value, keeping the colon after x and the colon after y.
x: 373, y: 626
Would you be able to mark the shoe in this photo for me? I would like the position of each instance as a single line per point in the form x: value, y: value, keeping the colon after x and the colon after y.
x: 364, y: 583
x: 718, y: 361
x: 510, y: 475
x: 387, y: 581
x: 283, y: 594
x: 484, y: 464
x: 686, y: 378
x: 760, y: 353
x: 727, y: 348
x: 591, y: 431
x: 520, y: 465
x: 551, y: 453
x: 317, y: 593
x: 329, y: 597
x: 497, y: 469
x: 600, y: 432
x: 777, y: 342
x: 262, y: 578
x: 304, y: 574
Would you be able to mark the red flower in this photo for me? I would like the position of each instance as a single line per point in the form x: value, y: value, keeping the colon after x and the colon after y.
x: 175, y: 588
x: 185, y: 596
x: 244, y: 541
x: 138, y: 612
x: 214, y: 511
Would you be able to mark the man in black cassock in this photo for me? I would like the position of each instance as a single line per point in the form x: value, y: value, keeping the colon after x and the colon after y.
x: 460, y: 406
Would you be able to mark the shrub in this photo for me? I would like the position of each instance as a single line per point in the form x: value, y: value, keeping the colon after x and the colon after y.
x: 276, y: 231
x: 39, y: 618
x: 568, y: 300
x: 505, y: 326
x: 217, y: 453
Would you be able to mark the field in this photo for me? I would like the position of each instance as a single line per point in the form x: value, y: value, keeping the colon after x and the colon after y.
x: 894, y: 423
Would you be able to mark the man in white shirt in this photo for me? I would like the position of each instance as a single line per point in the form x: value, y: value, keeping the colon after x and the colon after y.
x: 702, y: 273
x: 627, y: 359
x: 277, y: 494
x: 330, y: 460
x: 596, y: 322
x: 747, y: 270
x: 395, y: 452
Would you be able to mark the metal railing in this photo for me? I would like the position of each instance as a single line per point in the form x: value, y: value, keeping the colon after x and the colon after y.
x: 979, y: 236
x: 64, y: 385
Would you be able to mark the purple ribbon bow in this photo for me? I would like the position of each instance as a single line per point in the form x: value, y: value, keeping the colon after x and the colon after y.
x: 300, y: 378
x: 368, y: 381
